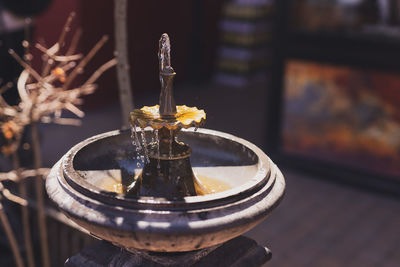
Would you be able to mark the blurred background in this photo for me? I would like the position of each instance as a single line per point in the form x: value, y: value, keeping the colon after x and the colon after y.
x: 314, y: 83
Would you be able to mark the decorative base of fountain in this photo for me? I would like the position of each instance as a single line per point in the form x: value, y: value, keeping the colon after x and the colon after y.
x: 240, y: 251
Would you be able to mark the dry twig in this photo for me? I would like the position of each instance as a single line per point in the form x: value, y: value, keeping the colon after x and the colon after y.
x: 26, y: 229
x: 11, y: 237
x: 43, y: 97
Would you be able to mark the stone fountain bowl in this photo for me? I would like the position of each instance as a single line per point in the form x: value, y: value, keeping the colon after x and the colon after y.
x: 77, y: 185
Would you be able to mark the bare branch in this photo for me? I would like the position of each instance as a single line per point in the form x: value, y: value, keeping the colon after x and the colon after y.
x: 109, y: 64
x: 21, y: 86
x: 75, y: 110
x: 5, y: 87
x: 12, y: 175
x: 66, y: 29
x: 74, y: 42
x: 67, y: 121
x: 28, y: 68
x: 11, y: 237
x: 58, y: 58
x: 54, y: 49
x: 84, y: 61
x: 67, y: 58
x: 57, y: 46
x: 14, y: 198
x: 43, y: 97
x: 3, y: 102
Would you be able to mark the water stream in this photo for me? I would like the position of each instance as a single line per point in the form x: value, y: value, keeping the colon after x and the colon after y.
x: 144, y: 142
x: 170, y: 144
x: 137, y: 145
x: 158, y: 148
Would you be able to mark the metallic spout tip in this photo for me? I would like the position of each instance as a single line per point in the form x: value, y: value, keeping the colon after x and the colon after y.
x: 167, y: 73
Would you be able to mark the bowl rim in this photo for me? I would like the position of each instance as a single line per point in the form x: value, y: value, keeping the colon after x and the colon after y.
x: 77, y: 182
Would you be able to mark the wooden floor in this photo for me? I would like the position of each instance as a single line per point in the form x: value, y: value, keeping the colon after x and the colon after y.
x: 324, y: 224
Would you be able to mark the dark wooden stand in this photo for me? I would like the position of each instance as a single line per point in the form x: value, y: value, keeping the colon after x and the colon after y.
x: 240, y: 251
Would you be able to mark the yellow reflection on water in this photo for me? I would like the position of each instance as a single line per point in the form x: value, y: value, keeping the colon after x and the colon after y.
x: 114, y: 187
x: 206, y: 185
x: 203, y: 184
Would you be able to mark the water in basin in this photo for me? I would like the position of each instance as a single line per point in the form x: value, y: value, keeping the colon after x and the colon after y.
x: 218, y: 164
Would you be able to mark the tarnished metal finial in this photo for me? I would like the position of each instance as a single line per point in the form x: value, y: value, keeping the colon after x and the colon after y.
x: 167, y: 73
x: 164, y: 52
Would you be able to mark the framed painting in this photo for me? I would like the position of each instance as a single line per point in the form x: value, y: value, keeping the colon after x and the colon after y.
x: 341, y: 121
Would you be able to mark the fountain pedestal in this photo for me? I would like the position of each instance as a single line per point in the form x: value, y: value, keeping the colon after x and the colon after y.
x: 240, y: 251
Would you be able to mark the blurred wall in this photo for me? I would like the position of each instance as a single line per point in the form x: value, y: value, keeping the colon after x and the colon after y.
x: 192, y: 26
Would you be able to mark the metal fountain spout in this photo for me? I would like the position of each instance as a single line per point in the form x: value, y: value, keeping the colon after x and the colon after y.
x: 167, y: 74
x: 167, y: 171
